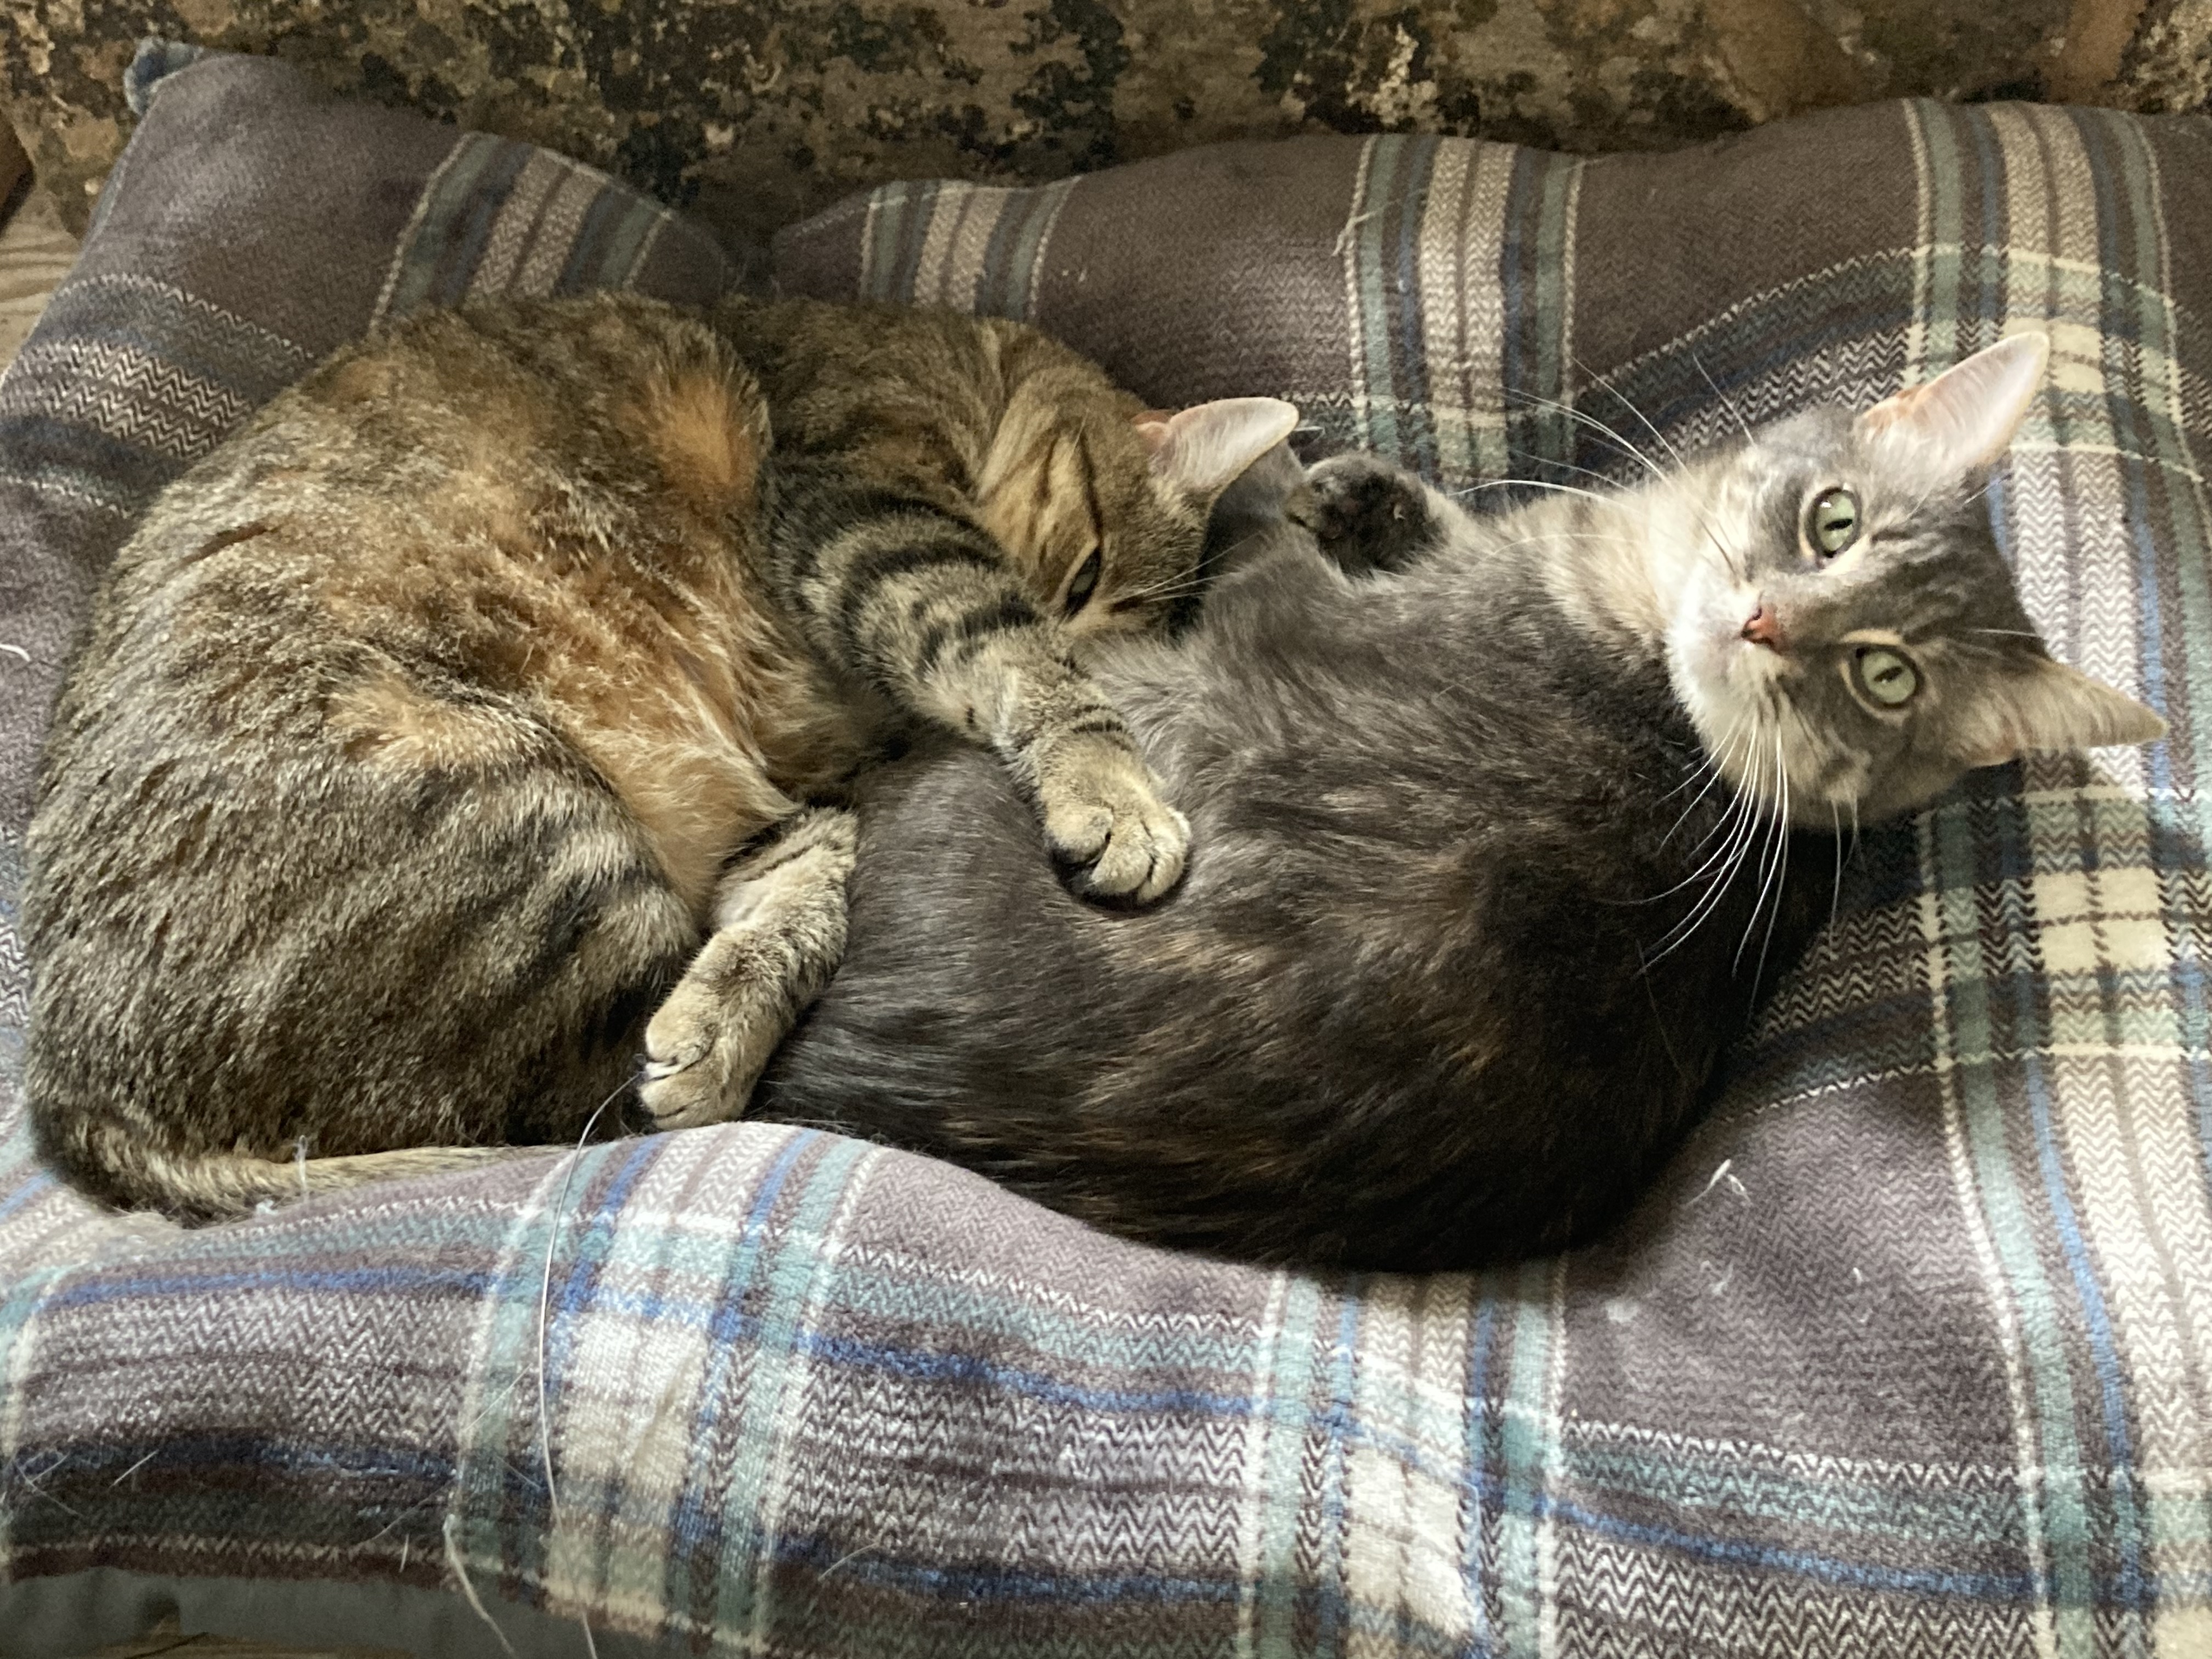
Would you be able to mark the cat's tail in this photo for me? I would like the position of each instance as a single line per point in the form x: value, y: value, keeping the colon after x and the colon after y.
x: 132, y: 1173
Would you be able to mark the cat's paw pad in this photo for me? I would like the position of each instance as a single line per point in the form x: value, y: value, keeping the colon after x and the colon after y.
x: 1103, y: 815
x: 1369, y: 515
x: 704, y: 1050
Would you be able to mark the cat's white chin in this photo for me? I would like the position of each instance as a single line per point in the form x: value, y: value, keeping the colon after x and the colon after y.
x: 1750, y: 731
x: 1715, y: 670
x: 1727, y: 686
x: 1731, y: 725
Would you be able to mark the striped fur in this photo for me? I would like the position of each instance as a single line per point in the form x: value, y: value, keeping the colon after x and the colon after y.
x: 398, y: 783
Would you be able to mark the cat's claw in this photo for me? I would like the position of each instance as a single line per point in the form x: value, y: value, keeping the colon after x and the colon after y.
x: 1103, y: 816
x: 652, y: 1070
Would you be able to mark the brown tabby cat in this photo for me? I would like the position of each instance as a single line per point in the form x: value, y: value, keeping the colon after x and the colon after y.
x: 395, y: 786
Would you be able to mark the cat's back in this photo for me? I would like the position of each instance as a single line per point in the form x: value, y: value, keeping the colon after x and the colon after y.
x: 376, y: 713
x: 473, y: 531
x: 535, y: 429
x: 922, y: 394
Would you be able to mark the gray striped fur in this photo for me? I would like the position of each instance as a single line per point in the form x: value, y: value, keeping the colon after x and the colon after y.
x: 1505, y: 824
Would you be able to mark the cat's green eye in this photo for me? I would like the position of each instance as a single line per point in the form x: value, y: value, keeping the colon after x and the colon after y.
x: 1834, y: 523
x: 1086, y: 581
x: 1889, y: 679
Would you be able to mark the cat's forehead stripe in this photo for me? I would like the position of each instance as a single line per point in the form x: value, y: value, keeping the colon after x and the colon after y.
x: 1087, y: 473
x: 1048, y: 455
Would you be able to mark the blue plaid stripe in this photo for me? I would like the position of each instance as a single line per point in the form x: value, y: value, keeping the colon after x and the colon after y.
x: 891, y: 242
x: 503, y: 217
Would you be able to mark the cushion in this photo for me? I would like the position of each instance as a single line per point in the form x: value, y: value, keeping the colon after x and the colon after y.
x: 1909, y: 1352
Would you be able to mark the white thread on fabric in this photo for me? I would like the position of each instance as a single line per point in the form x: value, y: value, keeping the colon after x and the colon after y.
x: 461, y: 1571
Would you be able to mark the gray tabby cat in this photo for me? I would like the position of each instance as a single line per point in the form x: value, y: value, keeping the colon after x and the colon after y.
x: 399, y: 780
x: 1501, y: 826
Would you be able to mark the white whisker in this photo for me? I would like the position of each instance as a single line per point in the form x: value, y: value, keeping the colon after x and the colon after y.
x: 1172, y: 585
x: 1836, y: 898
x: 1530, y: 483
x: 1727, y: 822
x: 1726, y: 402
x: 1627, y: 403
x: 1728, y: 560
x: 1237, y: 547
x: 1703, y: 766
x: 1731, y: 856
x: 1781, y: 866
x: 1605, y: 478
x: 1596, y: 425
x: 1718, y: 764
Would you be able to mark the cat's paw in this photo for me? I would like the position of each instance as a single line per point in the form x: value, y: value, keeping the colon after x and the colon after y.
x: 779, y: 935
x: 705, y: 1048
x: 1369, y: 515
x: 1104, y: 816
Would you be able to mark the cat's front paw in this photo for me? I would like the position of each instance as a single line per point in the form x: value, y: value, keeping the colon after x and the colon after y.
x: 705, y: 1048
x: 779, y: 935
x: 1369, y: 515
x: 1104, y: 816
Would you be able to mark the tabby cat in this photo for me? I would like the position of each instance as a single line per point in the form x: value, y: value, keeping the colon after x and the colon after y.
x: 397, y: 783
x: 1501, y: 825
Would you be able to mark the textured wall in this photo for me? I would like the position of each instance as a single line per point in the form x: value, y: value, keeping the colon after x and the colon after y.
x: 756, y: 112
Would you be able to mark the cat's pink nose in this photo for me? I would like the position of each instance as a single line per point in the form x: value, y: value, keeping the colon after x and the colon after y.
x: 1764, y: 627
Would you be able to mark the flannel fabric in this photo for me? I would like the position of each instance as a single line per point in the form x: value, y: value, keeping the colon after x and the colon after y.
x: 1910, y: 1352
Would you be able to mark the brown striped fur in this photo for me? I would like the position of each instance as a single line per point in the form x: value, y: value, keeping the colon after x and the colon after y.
x: 401, y: 777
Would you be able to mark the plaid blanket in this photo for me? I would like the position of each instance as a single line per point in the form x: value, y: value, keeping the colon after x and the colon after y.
x: 1910, y: 1353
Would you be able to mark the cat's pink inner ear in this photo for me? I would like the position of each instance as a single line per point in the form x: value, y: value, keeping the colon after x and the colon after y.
x: 1200, y: 451
x: 2045, y: 707
x: 1964, y: 418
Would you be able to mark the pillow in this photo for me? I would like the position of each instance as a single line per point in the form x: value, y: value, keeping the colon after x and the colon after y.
x: 1910, y: 1352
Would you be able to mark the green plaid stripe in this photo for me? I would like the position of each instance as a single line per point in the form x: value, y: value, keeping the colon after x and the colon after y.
x: 2090, y: 1191
x: 970, y: 248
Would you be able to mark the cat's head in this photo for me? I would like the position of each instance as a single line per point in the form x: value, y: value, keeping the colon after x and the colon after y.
x: 1847, y: 637
x: 1103, y: 503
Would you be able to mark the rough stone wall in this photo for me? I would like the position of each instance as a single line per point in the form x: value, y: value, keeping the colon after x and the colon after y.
x: 755, y: 113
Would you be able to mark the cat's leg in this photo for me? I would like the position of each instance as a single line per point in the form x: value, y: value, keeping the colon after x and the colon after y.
x: 779, y: 933
x: 1103, y: 812
x: 925, y: 605
x: 1371, y: 516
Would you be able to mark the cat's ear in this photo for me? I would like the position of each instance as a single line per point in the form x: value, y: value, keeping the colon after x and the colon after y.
x: 1964, y: 418
x: 1200, y: 450
x: 2035, y: 706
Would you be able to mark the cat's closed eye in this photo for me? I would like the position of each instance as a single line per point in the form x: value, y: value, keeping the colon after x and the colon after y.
x: 1085, y: 582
